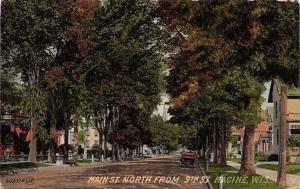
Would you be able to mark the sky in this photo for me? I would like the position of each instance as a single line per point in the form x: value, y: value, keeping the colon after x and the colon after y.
x: 265, y: 95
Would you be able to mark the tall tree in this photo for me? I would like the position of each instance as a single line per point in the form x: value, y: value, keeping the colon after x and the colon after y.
x: 29, y: 30
x: 124, y: 88
x: 226, y: 36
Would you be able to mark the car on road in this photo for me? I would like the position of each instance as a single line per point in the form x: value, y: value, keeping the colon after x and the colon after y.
x: 188, y: 158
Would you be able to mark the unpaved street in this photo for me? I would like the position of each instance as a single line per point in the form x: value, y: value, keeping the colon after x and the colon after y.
x: 163, y: 172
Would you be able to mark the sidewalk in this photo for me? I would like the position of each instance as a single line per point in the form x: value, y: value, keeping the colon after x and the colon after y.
x: 293, y: 180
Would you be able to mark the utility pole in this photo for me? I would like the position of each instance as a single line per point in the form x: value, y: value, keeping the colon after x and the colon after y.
x: 284, y: 127
x: 283, y: 135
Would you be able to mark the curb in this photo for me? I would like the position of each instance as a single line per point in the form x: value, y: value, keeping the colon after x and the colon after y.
x: 203, y: 173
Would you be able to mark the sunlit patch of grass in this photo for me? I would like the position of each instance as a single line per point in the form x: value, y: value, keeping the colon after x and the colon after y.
x: 234, y: 181
x: 292, y: 168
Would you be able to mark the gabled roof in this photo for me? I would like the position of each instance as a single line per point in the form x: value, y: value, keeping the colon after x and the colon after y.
x: 292, y: 92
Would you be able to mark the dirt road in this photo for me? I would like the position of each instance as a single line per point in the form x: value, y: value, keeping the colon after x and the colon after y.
x: 163, y: 172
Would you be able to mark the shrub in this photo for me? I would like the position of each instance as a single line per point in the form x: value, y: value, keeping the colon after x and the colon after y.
x: 261, y: 156
x: 273, y: 157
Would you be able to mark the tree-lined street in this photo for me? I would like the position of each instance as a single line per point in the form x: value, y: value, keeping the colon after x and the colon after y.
x: 116, y: 80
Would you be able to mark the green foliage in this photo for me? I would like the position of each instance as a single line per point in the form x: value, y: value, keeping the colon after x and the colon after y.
x: 223, y: 53
x: 81, y: 136
x: 76, y: 58
x: 163, y: 133
x: 261, y: 156
x: 188, y: 136
x: 108, y: 63
x: 294, y: 140
x: 279, y: 49
x: 233, y: 140
x: 127, y: 62
x: 30, y: 32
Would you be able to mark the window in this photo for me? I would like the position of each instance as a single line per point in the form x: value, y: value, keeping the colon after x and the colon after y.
x: 295, y: 131
x: 87, y: 142
x: 96, y: 142
x: 277, y: 137
x: 295, y: 126
x: 269, y: 119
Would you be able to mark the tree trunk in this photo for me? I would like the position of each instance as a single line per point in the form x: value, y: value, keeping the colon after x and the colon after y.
x: 33, y: 117
x: 33, y: 142
x: 53, y: 122
x: 215, y: 143
x: 100, y: 146
x: 204, y: 146
x: 84, y: 143
x: 219, y: 146
x: 223, y: 147
x: 118, y: 153
x: 113, y: 152
x: 52, y: 144
x: 139, y: 150
x: 86, y: 131
x: 105, y: 147
x: 66, y: 144
x: 66, y: 136
x: 247, y: 161
x: 283, y: 133
x: 75, y: 137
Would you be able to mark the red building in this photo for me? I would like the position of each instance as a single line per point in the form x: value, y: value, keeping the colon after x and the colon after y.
x: 261, y: 136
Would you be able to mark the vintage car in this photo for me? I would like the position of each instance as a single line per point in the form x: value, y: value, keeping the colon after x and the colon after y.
x: 188, y: 158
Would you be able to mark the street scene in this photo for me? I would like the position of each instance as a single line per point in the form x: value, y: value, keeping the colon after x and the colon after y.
x: 150, y: 94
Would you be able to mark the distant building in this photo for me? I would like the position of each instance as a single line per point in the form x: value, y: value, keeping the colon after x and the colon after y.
x: 91, y: 140
x: 18, y: 126
x: 261, y: 137
x: 162, y: 108
x: 293, y: 117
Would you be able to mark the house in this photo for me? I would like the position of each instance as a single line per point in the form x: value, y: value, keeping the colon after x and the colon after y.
x: 293, y: 117
x: 16, y: 126
x: 261, y: 136
x: 92, y: 138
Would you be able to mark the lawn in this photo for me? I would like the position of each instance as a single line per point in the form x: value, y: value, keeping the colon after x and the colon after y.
x: 24, y: 165
x: 292, y: 168
x: 233, y: 181
x: 84, y: 161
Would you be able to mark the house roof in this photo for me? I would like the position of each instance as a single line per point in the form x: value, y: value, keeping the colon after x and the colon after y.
x: 292, y: 92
